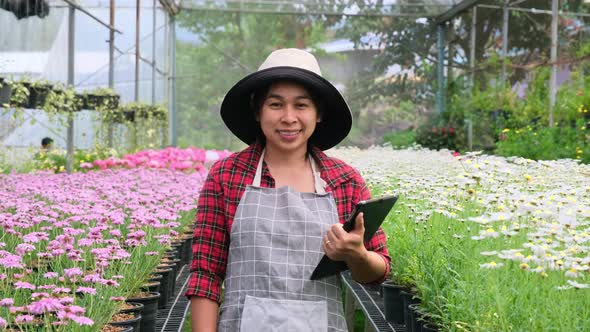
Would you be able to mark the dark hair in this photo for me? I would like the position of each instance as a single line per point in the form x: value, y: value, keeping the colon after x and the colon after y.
x: 258, y: 98
x: 46, y: 141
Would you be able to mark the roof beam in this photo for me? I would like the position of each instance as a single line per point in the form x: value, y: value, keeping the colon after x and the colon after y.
x: 170, y: 6
x: 455, y: 10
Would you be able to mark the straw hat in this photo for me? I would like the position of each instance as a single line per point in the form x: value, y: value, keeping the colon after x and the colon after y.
x: 293, y: 65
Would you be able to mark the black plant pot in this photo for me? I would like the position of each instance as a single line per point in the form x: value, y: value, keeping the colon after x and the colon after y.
x: 393, y: 302
x: 137, y: 307
x: 91, y: 101
x: 429, y: 327
x: 188, y: 250
x: 165, y: 294
x: 408, y: 298
x: 38, y: 95
x: 5, y: 92
x: 135, y: 322
x: 125, y: 328
x: 151, y: 286
x: 417, y: 317
x: 156, y: 277
x: 172, y: 283
x: 149, y: 315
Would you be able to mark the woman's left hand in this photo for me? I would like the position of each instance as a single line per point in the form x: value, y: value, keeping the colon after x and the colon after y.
x: 342, y: 246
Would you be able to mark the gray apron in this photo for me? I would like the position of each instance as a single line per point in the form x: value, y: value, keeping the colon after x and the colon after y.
x: 275, y: 244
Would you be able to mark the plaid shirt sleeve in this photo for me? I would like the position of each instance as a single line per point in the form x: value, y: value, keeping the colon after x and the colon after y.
x: 210, y: 241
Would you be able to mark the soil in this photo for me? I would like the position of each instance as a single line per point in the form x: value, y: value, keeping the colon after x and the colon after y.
x: 111, y: 328
x: 126, y: 306
x: 122, y: 317
x: 141, y: 295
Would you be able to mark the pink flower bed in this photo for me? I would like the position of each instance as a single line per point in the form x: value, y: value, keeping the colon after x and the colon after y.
x: 69, y: 243
x: 173, y: 158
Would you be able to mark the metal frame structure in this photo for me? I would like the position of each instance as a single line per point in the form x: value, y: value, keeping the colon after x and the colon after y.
x: 506, y: 8
x: 172, y: 8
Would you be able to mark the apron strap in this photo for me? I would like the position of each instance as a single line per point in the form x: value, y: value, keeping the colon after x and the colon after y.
x: 318, y: 182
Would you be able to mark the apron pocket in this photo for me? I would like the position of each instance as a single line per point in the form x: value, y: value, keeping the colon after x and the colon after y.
x: 263, y: 314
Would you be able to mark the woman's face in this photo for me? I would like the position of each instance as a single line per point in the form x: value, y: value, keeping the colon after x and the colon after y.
x: 288, y: 117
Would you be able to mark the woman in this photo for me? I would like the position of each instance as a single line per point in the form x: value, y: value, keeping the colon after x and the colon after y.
x: 266, y: 215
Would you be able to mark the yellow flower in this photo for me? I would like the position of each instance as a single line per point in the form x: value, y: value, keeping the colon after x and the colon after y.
x: 524, y: 266
x: 528, y: 177
x: 505, y: 130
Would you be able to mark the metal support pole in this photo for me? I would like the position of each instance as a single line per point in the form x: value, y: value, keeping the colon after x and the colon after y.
x: 173, y: 116
x: 71, y: 53
x: 472, y: 47
x: 469, y: 134
x: 440, y: 68
x: 137, y: 54
x: 504, y: 41
x: 154, y: 54
x: 553, y: 79
x: 111, y: 66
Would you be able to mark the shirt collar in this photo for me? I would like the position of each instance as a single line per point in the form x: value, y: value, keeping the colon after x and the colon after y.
x: 331, y: 170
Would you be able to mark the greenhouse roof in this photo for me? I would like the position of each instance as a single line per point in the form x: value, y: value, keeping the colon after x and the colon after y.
x: 418, y: 8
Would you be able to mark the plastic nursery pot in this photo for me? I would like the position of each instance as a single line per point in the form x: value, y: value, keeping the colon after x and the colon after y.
x: 112, y: 328
x: 188, y: 250
x: 5, y: 91
x: 156, y: 277
x: 393, y: 302
x: 173, y: 278
x: 149, y: 315
x: 429, y: 327
x: 408, y: 298
x: 37, y: 95
x: 165, y: 295
x: 128, y: 307
x: 417, y: 317
x: 131, y: 319
x: 151, y: 286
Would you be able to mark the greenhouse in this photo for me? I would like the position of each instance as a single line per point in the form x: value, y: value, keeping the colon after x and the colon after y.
x: 135, y: 136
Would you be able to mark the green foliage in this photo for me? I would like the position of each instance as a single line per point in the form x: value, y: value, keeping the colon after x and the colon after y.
x: 55, y: 160
x: 400, y: 139
x: 545, y: 143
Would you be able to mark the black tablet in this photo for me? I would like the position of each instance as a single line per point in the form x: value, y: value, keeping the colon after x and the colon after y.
x: 374, y: 212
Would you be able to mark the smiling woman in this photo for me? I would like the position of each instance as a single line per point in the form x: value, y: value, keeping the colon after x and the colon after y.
x: 267, y: 215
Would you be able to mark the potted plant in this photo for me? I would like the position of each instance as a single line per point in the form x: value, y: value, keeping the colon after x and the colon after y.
x: 19, y: 94
x: 38, y: 91
x: 4, y: 91
x: 101, y: 98
x: 62, y: 100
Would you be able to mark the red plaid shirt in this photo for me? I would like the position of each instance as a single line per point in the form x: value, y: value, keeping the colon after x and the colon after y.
x: 219, y: 200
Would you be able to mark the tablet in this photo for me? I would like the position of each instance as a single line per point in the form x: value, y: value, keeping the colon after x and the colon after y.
x: 374, y: 212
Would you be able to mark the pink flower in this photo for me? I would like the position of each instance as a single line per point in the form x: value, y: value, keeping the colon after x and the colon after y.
x: 39, y: 294
x: 11, y: 261
x: 47, y: 304
x: 73, y: 272
x: 87, y: 290
x: 2, y: 323
x: 23, y: 285
x: 81, y: 320
x: 117, y: 298
x: 24, y: 318
x: 6, y: 302
x: 58, y: 290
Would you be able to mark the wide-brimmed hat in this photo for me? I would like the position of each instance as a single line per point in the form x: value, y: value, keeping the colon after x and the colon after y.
x: 293, y: 65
